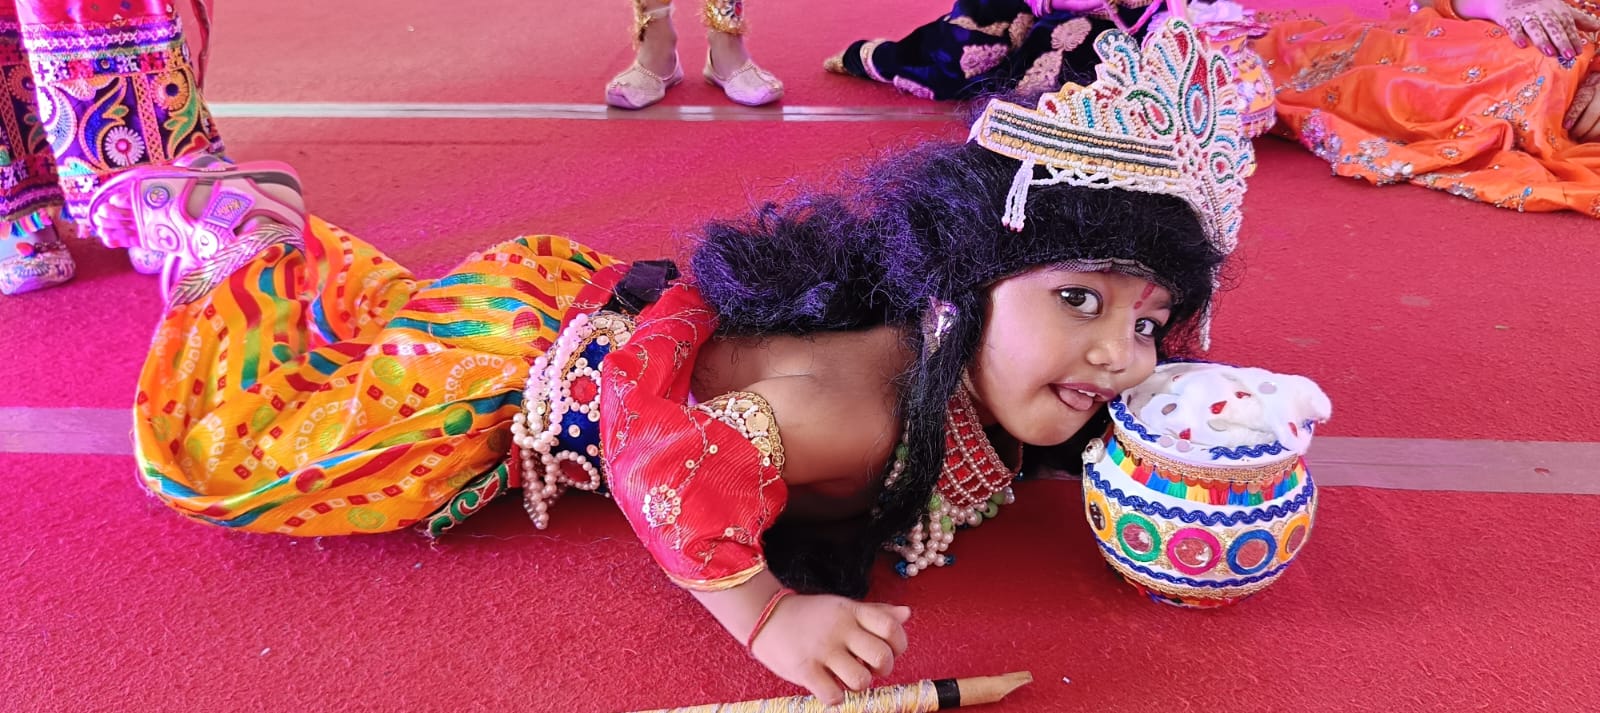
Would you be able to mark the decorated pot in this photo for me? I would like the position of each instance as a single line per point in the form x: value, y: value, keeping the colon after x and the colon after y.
x: 1199, y: 494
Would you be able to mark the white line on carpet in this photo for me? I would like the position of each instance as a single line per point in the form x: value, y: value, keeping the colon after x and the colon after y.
x: 445, y: 110
x: 1395, y: 463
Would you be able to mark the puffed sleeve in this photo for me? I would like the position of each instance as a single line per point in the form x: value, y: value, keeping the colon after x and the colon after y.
x: 698, y: 483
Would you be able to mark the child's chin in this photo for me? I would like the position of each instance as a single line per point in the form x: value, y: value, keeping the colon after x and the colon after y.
x: 1059, y: 432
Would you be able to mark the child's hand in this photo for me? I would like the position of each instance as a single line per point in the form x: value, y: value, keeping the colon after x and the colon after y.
x: 822, y: 641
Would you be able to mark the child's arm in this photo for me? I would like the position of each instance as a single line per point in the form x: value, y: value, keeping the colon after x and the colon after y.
x: 701, y: 484
x: 818, y: 642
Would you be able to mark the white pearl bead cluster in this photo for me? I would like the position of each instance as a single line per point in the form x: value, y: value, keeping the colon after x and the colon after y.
x: 972, y: 486
x: 547, y: 400
x: 926, y: 543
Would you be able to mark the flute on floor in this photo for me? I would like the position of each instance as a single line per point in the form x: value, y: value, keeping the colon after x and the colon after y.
x: 920, y: 697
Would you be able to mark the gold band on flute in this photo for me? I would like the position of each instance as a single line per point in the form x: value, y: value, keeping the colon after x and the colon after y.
x: 920, y: 697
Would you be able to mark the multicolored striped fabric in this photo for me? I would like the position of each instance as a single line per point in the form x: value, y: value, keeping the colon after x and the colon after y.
x: 323, y: 390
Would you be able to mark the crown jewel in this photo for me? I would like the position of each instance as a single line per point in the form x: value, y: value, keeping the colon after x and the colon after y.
x: 1163, y: 118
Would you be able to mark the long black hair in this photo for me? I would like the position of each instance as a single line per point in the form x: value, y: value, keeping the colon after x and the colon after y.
x: 925, y: 226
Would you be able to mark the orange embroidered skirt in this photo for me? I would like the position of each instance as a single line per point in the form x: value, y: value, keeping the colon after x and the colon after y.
x: 1444, y: 103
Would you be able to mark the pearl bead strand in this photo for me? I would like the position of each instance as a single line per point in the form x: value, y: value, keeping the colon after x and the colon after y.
x: 546, y: 401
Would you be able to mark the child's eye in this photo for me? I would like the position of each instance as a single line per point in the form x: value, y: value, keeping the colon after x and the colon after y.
x: 1147, y: 327
x: 1082, y: 299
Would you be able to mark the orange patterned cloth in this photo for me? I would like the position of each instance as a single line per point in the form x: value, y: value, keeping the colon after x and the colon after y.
x: 322, y: 390
x: 1435, y: 101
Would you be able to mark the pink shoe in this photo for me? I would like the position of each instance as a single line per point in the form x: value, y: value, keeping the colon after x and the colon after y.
x: 153, y: 211
x: 748, y: 85
x: 637, y: 87
x: 150, y: 262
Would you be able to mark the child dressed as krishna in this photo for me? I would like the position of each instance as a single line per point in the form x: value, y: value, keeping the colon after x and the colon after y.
x: 767, y: 421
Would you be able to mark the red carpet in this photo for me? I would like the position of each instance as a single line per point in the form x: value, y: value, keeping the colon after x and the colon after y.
x: 1422, y: 314
x: 281, y: 51
x: 1400, y: 603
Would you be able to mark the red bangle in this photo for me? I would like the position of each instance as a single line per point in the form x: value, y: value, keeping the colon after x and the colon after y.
x: 767, y: 614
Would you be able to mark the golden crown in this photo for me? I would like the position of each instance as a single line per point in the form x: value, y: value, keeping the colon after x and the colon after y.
x: 1162, y: 118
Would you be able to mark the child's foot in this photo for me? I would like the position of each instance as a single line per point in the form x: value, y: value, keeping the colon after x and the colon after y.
x: 655, y: 68
x: 150, y: 262
x: 853, y: 61
x: 728, y: 65
x: 34, y: 261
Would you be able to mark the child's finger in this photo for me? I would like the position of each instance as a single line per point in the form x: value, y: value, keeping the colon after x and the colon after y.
x: 850, y: 672
x: 820, y: 682
x: 873, y: 652
x: 885, y: 622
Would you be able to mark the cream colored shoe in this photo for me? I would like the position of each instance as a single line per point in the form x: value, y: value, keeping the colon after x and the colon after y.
x: 637, y: 87
x: 748, y: 85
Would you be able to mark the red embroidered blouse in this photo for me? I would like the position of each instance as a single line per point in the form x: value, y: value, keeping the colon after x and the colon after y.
x: 698, y: 483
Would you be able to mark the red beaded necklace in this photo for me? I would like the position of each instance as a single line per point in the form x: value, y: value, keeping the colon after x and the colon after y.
x: 973, y: 472
x: 973, y: 483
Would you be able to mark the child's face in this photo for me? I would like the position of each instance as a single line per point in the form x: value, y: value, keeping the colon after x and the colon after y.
x: 1052, y: 334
